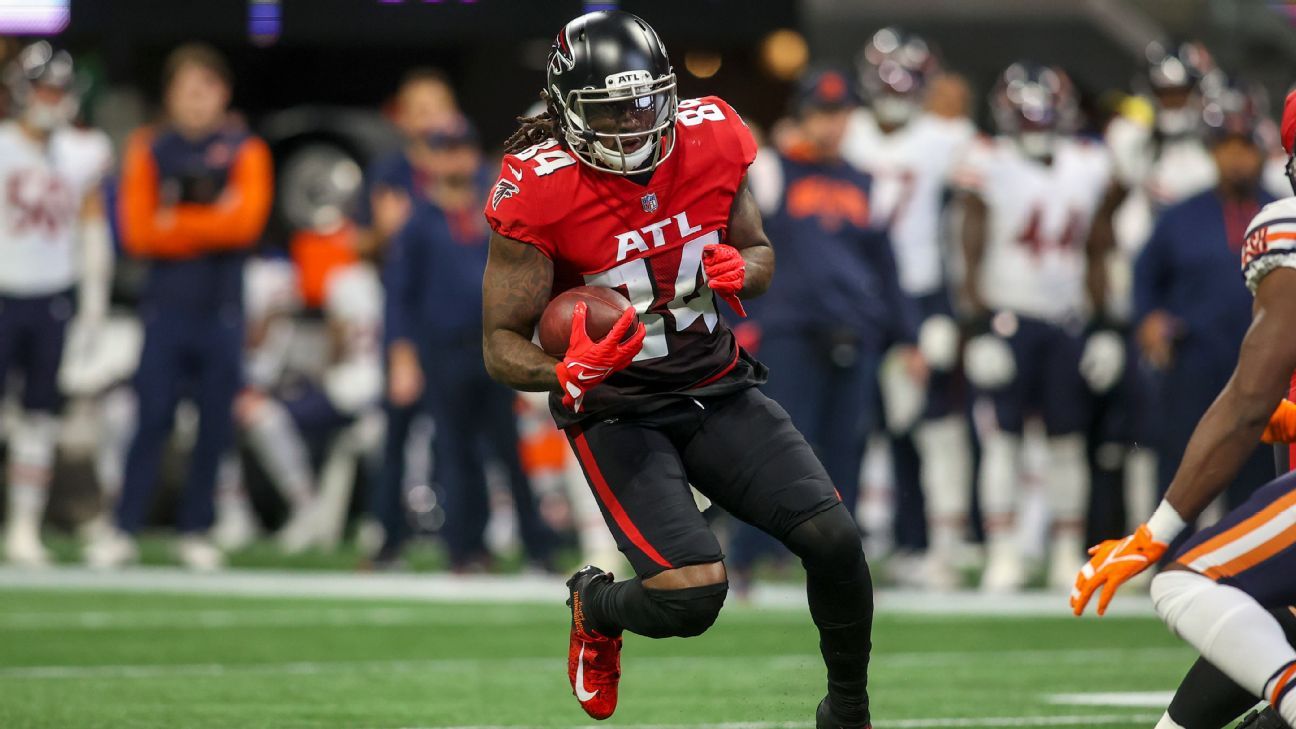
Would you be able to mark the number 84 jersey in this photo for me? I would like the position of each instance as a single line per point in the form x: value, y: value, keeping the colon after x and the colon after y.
x: 645, y: 241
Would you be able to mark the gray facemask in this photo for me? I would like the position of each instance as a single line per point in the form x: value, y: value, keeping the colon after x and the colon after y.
x: 1037, y: 145
x: 1176, y: 122
x: 894, y: 110
x: 45, y: 117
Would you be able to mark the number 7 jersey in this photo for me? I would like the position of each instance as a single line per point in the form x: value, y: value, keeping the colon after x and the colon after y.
x: 645, y: 241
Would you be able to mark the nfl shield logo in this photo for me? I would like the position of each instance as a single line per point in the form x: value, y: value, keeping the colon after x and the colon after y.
x: 649, y: 202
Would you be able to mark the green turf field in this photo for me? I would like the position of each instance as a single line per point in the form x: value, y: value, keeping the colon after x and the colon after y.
x: 83, y: 659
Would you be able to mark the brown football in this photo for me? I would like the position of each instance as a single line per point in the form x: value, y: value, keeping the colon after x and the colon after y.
x: 604, y: 308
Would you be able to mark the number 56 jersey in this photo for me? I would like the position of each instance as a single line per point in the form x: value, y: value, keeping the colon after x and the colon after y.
x: 645, y: 241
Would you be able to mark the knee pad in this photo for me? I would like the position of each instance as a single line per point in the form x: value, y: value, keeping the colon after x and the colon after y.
x: 828, y: 542
x: 1173, y: 592
x: 688, y: 612
x: 34, y: 441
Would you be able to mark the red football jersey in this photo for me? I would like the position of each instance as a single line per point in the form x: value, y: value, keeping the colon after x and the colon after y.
x: 644, y: 240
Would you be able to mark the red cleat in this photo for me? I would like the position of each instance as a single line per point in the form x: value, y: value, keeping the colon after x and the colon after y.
x: 593, y: 659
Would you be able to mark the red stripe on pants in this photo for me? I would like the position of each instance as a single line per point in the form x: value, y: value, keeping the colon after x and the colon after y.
x: 609, y: 500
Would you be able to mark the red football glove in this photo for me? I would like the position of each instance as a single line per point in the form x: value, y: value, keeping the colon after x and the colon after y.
x: 588, y: 362
x: 725, y: 270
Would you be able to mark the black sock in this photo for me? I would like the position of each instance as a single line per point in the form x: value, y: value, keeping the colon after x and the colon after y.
x: 839, y: 589
x: 628, y: 605
x: 1208, y: 699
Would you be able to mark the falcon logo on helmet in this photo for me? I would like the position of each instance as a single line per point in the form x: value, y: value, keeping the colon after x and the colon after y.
x: 613, y: 92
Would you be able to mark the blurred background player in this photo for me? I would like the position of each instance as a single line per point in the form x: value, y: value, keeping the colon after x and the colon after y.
x: 195, y: 195
x: 1226, y: 585
x: 910, y: 153
x: 57, y: 265
x: 838, y: 304
x: 434, y: 321
x: 424, y: 104
x: 1191, y: 308
x: 1030, y: 194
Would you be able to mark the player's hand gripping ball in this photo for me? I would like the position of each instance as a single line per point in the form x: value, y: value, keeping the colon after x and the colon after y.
x: 597, y: 344
x: 726, y: 272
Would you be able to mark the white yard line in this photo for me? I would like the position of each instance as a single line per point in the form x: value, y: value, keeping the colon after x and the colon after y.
x: 882, y: 662
x: 1133, y: 699
x: 999, y: 722
x: 503, y: 589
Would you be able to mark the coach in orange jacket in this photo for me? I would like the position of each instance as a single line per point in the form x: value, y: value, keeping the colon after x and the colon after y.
x: 195, y: 195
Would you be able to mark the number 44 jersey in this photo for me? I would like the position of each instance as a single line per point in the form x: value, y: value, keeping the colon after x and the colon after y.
x: 645, y: 241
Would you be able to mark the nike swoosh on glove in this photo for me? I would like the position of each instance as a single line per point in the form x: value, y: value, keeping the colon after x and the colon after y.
x: 589, y: 362
x: 1112, y: 564
x: 726, y: 271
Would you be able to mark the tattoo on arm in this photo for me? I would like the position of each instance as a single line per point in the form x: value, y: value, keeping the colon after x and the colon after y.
x: 515, y: 291
x: 747, y: 234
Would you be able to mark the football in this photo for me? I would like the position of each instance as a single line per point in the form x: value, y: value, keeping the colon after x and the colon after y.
x: 605, y: 307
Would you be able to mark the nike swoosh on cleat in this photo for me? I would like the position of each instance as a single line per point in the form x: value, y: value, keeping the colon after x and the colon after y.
x: 581, y: 693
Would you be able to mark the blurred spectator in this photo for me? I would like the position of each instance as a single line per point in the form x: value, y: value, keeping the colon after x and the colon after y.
x: 1191, y: 305
x: 57, y: 264
x: 837, y: 304
x: 434, y: 273
x: 910, y: 152
x: 195, y: 195
x: 1030, y: 195
x: 424, y: 103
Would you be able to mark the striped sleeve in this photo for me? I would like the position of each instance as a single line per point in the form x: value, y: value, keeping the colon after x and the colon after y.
x: 1270, y: 242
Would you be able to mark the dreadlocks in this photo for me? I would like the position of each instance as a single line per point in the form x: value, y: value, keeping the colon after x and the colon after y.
x: 534, y: 129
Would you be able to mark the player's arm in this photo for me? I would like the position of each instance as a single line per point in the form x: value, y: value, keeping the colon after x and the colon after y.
x: 1229, y: 430
x: 747, y: 234
x: 515, y: 291
x: 975, y: 217
x: 1102, y: 239
x: 1226, y: 435
x: 96, y: 259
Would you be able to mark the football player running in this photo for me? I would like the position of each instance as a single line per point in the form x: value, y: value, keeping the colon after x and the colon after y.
x: 1032, y: 282
x: 57, y: 265
x: 619, y: 184
x: 1218, y: 590
x: 911, y: 154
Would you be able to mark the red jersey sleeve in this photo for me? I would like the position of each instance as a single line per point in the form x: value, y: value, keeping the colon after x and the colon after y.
x: 520, y: 207
x: 733, y: 136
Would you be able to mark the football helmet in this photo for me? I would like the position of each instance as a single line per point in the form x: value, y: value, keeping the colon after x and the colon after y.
x: 893, y: 71
x: 1238, y: 109
x: 1034, y: 104
x: 612, y: 92
x: 39, y: 65
x: 1186, y: 71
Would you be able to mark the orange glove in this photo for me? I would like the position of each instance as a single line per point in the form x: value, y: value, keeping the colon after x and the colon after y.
x: 1112, y: 564
x: 1282, y: 424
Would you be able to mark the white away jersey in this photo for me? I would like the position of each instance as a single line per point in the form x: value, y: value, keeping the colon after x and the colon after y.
x: 911, y: 168
x: 1038, y: 223
x: 1156, y: 177
x: 1270, y: 241
x: 41, y: 193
